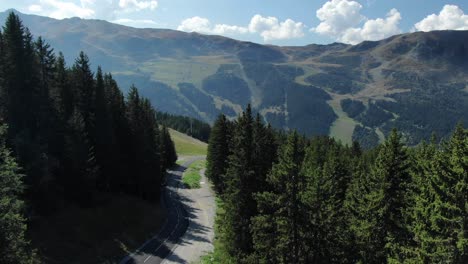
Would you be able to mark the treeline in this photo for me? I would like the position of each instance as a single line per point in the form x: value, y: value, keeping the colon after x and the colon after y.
x: 187, y: 125
x: 289, y: 199
x: 72, y: 132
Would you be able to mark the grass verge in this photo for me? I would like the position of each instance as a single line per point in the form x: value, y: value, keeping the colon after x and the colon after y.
x: 106, y: 233
x: 191, y: 177
x: 220, y: 254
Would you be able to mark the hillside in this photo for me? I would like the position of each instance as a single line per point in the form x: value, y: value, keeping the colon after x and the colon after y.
x: 186, y: 145
x: 417, y: 82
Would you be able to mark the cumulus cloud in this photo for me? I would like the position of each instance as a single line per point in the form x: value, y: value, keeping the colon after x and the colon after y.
x: 337, y: 16
x: 137, y: 5
x: 374, y: 29
x: 450, y: 17
x: 270, y: 28
x: 203, y: 25
x: 340, y: 19
x: 59, y: 9
x: 104, y: 9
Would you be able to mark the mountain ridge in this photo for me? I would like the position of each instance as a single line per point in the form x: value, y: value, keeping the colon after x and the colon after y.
x: 417, y: 82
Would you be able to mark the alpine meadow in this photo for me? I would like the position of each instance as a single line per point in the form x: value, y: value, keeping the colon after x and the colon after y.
x: 225, y: 132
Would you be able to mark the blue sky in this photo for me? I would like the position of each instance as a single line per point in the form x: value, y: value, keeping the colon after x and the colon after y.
x: 281, y: 22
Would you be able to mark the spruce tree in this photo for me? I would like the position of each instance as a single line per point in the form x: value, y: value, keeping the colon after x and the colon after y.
x: 13, y: 244
x: 440, y: 210
x: 279, y: 226
x: 218, y: 153
x: 381, y: 227
x: 239, y: 202
x: 327, y: 180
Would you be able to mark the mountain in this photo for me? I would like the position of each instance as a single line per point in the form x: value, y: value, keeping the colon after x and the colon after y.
x: 417, y: 82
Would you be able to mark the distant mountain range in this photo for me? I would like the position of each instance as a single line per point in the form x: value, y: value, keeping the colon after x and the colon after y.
x: 417, y: 82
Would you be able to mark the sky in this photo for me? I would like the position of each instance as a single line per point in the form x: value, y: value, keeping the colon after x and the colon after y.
x: 279, y: 22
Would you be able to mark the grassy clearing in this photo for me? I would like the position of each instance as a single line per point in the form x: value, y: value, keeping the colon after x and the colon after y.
x: 220, y: 254
x: 343, y: 127
x: 192, y: 177
x: 173, y: 72
x: 187, y: 146
x: 103, y: 234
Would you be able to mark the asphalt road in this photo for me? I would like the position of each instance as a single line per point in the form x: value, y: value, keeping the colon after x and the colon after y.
x: 155, y: 250
x: 198, y: 239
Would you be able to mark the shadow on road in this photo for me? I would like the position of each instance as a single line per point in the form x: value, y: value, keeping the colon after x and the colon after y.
x: 180, y: 213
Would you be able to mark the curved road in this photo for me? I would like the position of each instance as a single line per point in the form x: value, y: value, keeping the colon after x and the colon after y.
x: 172, y: 235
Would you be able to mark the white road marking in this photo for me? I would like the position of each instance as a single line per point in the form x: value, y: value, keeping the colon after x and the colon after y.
x: 147, y: 259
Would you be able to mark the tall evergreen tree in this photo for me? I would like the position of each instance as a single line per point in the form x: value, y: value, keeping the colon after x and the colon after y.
x: 13, y: 244
x: 239, y: 201
x: 218, y: 153
x: 279, y: 226
x: 381, y: 226
x: 440, y: 210
x: 327, y: 180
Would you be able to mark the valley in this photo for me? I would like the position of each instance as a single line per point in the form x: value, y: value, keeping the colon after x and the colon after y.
x: 291, y: 87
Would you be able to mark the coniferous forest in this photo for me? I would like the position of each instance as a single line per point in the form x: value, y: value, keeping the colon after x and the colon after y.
x: 289, y: 199
x: 67, y: 134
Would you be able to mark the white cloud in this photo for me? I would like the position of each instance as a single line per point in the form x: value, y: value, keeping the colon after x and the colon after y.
x: 203, y: 25
x: 374, y: 29
x: 271, y: 29
x: 195, y: 24
x: 450, y: 17
x: 58, y: 9
x: 137, y: 23
x: 103, y: 9
x: 268, y: 27
x: 35, y: 8
x: 337, y: 16
x: 132, y: 5
x: 340, y: 19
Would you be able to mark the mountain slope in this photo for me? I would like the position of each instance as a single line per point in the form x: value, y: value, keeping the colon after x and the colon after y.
x: 417, y: 82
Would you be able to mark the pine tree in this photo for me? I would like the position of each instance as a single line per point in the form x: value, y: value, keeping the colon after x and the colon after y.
x: 380, y: 227
x: 218, y: 152
x: 264, y: 152
x: 168, y: 151
x: 240, y: 205
x: 103, y: 135
x: 13, y: 244
x: 84, y: 92
x: 440, y: 211
x: 327, y: 180
x: 279, y: 226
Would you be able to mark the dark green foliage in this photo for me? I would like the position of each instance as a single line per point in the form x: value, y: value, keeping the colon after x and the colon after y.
x: 218, y: 153
x: 240, y: 179
x: 327, y: 175
x: 374, y: 116
x: 187, y: 125
x: 278, y: 229
x: 73, y: 134
x: 440, y: 209
x: 335, y: 82
x: 203, y: 102
x: 229, y: 86
x: 352, y: 108
x: 366, y: 137
x: 13, y: 243
x: 322, y: 202
x: 168, y: 151
x: 378, y: 220
x: 309, y: 112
